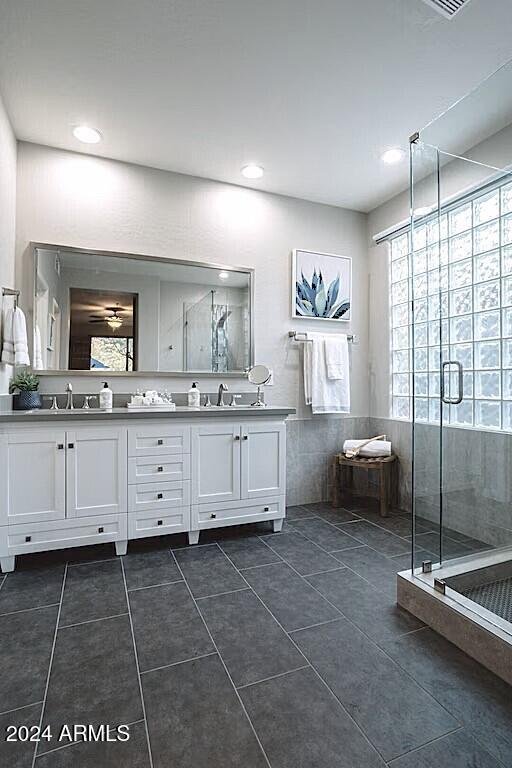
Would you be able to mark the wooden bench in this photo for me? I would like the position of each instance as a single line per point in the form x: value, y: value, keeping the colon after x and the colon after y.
x: 343, y: 479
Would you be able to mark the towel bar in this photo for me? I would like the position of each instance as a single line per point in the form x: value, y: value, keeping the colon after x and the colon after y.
x: 351, y: 338
x: 11, y: 292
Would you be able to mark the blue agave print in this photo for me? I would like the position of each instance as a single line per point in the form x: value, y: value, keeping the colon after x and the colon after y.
x: 316, y: 300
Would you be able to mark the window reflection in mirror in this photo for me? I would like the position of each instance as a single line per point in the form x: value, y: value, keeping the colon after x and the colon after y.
x: 110, y: 312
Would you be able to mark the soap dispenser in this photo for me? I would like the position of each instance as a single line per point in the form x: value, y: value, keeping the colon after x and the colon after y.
x: 194, y: 396
x: 106, y: 397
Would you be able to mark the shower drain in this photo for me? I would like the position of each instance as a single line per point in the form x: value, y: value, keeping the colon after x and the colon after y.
x: 496, y: 597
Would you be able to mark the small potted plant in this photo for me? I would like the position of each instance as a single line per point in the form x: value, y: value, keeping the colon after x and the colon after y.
x: 23, y: 388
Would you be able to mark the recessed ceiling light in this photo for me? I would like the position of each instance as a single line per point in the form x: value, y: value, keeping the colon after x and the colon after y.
x: 224, y: 275
x: 393, y: 155
x: 252, y: 171
x: 86, y: 134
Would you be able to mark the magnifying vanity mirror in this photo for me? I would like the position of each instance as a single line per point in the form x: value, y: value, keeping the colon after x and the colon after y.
x: 99, y: 311
x: 259, y: 375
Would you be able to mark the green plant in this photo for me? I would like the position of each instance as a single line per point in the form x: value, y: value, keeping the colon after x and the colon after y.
x: 24, y: 382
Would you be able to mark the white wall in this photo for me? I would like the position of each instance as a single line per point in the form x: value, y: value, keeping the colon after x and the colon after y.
x: 7, y: 218
x: 77, y: 200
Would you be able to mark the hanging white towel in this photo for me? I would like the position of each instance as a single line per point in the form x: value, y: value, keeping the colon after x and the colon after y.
x: 336, y: 356
x: 307, y: 365
x: 38, y: 350
x: 15, y: 347
x: 326, y: 395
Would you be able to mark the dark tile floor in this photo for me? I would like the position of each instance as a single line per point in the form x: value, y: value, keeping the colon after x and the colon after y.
x: 250, y: 650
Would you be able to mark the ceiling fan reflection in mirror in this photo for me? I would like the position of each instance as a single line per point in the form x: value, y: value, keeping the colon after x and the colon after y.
x: 114, y: 320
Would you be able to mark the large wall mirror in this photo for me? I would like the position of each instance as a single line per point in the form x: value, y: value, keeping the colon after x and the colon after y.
x: 97, y: 311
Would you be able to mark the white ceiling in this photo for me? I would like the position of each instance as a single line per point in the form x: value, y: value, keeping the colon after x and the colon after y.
x: 313, y: 91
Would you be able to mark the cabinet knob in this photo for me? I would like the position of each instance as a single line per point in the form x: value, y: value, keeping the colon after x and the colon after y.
x: 159, y: 522
x: 28, y: 538
x: 159, y: 469
x: 159, y: 495
x: 60, y: 446
x: 237, y: 437
x: 213, y: 516
x: 101, y: 529
x: 266, y: 509
x: 71, y: 445
x: 159, y: 442
x: 246, y: 437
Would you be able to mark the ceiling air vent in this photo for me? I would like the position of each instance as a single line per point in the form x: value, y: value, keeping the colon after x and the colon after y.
x: 447, y: 8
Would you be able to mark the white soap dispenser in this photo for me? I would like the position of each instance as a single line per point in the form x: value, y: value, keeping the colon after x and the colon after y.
x: 194, y: 396
x: 106, y: 397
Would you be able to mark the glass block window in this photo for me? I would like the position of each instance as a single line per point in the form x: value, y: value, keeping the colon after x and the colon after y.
x: 459, y: 272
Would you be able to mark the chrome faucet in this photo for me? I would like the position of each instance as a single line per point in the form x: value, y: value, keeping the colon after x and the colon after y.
x: 220, y: 398
x: 69, y: 399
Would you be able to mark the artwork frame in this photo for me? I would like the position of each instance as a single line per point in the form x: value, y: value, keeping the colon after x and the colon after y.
x: 330, y: 298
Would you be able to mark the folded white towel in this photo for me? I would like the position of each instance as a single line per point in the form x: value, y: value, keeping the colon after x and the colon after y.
x: 15, y: 347
x: 323, y: 394
x: 370, y: 451
x: 38, y: 349
x: 336, y: 356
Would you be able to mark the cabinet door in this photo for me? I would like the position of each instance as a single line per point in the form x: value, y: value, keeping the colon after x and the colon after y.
x: 216, y: 463
x: 96, y: 472
x: 34, y: 470
x: 263, y: 460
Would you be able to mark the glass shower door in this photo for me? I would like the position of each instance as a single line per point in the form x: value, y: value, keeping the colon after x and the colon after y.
x: 427, y: 280
x: 460, y: 267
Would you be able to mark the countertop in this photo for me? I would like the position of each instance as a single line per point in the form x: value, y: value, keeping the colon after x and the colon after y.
x: 95, y: 414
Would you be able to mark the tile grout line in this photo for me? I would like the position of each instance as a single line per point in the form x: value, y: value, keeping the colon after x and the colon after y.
x: 427, y: 744
x: 177, y: 663
x: 26, y: 610
x: 50, y: 664
x: 137, y: 668
x: 17, y: 709
x: 310, y: 665
x: 312, y: 626
x: 152, y: 586
x: 93, y: 621
x: 220, y: 594
x: 76, y: 564
x: 398, y: 637
x: 82, y: 741
x: 261, y: 565
x: 273, y: 677
x: 253, y: 729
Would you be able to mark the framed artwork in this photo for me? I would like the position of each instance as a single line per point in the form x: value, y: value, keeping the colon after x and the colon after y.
x: 321, y: 286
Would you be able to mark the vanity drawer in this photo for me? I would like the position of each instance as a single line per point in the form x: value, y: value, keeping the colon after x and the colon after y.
x: 40, y: 537
x: 157, y: 469
x: 234, y: 512
x: 158, y: 496
x: 158, y: 441
x: 151, y: 523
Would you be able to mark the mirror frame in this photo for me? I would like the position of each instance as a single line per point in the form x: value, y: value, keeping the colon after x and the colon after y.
x: 144, y: 257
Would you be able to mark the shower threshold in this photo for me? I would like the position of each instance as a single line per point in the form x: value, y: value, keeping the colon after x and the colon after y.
x: 468, y: 601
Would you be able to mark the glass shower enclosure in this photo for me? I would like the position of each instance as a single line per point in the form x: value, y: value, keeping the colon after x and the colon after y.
x: 216, y: 334
x: 460, y: 291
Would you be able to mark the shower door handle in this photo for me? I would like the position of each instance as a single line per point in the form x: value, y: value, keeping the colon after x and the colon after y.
x: 460, y: 379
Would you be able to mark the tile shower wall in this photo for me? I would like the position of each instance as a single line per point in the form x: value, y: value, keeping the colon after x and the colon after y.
x: 311, y: 445
x: 477, y: 482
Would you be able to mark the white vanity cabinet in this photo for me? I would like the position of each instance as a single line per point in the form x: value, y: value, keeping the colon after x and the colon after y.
x: 33, y: 469
x: 238, y: 474
x: 61, y: 488
x: 83, y: 482
x: 96, y: 472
